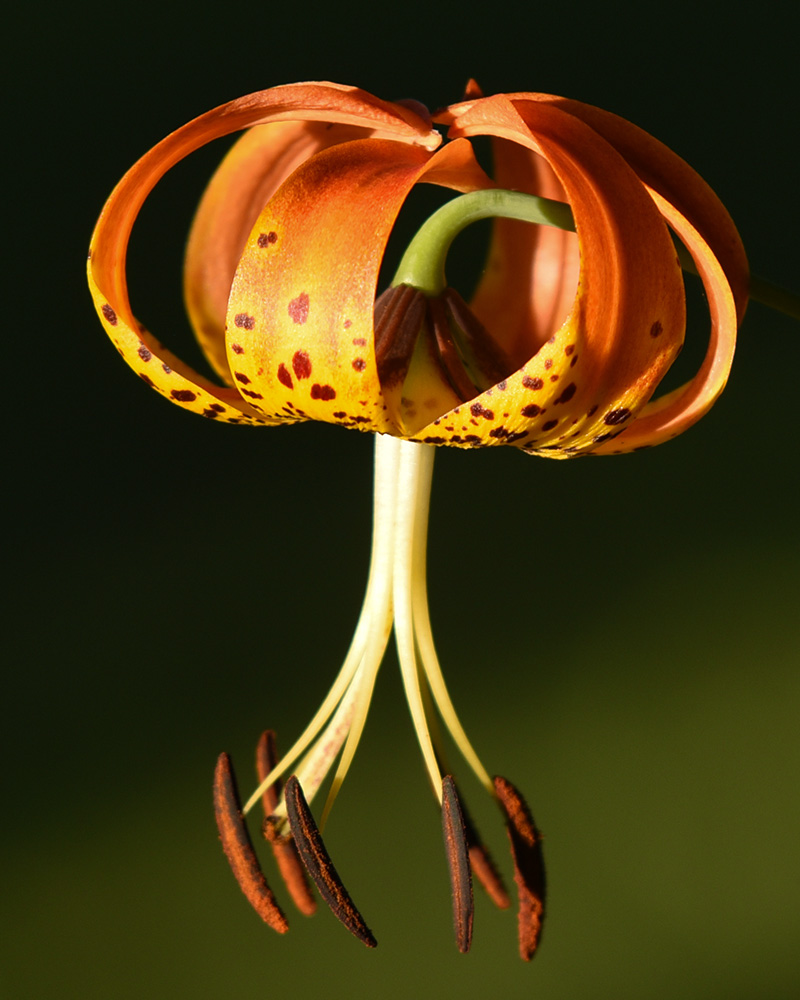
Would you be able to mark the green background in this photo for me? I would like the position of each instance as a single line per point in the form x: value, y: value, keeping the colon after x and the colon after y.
x: 620, y: 635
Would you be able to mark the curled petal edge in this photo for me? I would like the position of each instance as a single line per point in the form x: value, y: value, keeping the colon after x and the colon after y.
x: 161, y: 369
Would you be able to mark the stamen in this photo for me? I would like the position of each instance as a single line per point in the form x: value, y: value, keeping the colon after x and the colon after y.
x: 423, y: 634
x: 239, y: 850
x: 455, y: 843
x: 413, y: 491
x: 483, y: 867
x: 283, y: 847
x: 374, y: 622
x: 319, y: 865
x: 526, y: 851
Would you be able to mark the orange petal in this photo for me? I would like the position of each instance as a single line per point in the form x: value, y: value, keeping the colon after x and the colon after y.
x: 701, y: 221
x: 627, y: 319
x: 300, y: 314
x: 256, y: 166
x: 324, y: 102
x: 531, y: 274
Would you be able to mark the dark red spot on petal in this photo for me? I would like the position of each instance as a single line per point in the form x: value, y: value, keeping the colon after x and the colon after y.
x: 480, y: 411
x: 237, y: 348
x: 532, y: 383
x: 656, y: 329
x: 301, y: 364
x: 284, y: 377
x: 243, y: 321
x: 298, y: 308
x: 569, y: 349
x: 265, y: 239
x: 616, y: 416
x: 144, y: 353
x: 324, y: 392
x: 359, y: 364
x: 549, y: 425
x: 109, y: 314
x: 531, y: 410
x: 183, y: 395
x: 241, y: 377
x: 147, y: 380
x: 567, y: 394
x: 548, y: 363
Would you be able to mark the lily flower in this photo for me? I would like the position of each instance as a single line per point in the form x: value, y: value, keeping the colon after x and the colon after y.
x: 578, y: 316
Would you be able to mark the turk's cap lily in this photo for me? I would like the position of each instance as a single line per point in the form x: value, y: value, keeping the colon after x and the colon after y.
x: 284, y: 256
x: 559, y: 352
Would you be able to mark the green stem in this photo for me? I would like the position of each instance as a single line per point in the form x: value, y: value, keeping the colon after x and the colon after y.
x: 423, y: 262
x: 422, y: 265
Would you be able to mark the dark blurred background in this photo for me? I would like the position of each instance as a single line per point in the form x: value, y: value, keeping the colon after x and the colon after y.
x: 628, y: 656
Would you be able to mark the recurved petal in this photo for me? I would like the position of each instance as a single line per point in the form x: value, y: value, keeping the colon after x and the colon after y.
x: 300, y: 315
x: 627, y: 319
x: 703, y: 224
x: 528, y: 286
x: 161, y: 370
x: 323, y: 102
x: 253, y: 170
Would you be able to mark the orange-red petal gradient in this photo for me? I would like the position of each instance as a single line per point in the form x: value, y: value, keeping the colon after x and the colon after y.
x: 699, y: 219
x: 253, y: 170
x: 319, y: 102
x: 300, y: 314
x: 626, y: 323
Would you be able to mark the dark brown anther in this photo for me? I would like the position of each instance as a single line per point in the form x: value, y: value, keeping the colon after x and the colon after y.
x: 239, y: 849
x: 319, y: 865
x: 283, y: 847
x: 455, y: 845
x: 526, y: 852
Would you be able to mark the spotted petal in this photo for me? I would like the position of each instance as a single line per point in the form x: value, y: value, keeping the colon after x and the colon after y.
x: 683, y: 199
x: 300, y: 314
x: 627, y: 319
x: 256, y: 166
x: 318, y: 102
x: 703, y: 224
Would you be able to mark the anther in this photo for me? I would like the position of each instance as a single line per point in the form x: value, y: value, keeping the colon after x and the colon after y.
x: 283, y: 847
x: 526, y: 852
x: 455, y: 843
x: 239, y: 850
x: 319, y: 865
